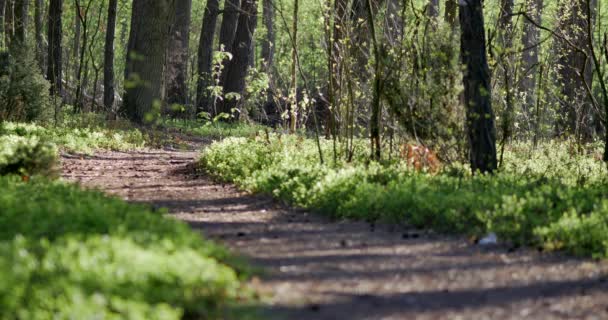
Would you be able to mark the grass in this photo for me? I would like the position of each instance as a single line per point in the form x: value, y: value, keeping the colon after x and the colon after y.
x: 547, y: 197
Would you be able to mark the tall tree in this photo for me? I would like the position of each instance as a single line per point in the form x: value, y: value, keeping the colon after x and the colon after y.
x: 529, y: 57
x: 21, y: 20
x: 268, y: 42
x: 54, y: 36
x: 575, y: 70
x: 230, y: 18
x: 205, y: 55
x: 108, y: 66
x: 144, y: 72
x: 177, y: 56
x: 477, y: 90
x: 433, y: 9
x: 237, y: 68
x: 38, y: 27
x: 2, y: 19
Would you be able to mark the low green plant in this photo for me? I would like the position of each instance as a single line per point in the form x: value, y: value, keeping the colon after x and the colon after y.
x: 67, y: 253
x: 74, y: 138
x: 526, y: 203
x: 27, y: 156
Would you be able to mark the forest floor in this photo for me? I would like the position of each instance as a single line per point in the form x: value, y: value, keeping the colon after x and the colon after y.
x: 322, y: 269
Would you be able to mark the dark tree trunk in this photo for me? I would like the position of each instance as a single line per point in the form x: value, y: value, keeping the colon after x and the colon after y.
x: 144, y: 72
x: 108, y: 67
x: 433, y: 9
x: 54, y: 37
x: 529, y: 59
x: 575, y: 103
x: 177, y: 56
x: 230, y: 18
x: 451, y: 12
x: 477, y: 91
x: 269, y: 41
x: 237, y: 68
x: 2, y: 19
x: 205, y: 56
x: 505, y: 25
x: 9, y: 25
x: 394, y: 21
x: 21, y: 21
x: 39, y: 24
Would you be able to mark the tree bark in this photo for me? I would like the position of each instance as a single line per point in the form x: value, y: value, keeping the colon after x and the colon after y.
x: 55, y: 34
x: 230, y: 18
x: 108, y: 67
x: 39, y: 24
x: 21, y: 21
x: 574, y: 104
x: 177, y: 56
x: 505, y: 25
x: 205, y: 56
x: 529, y: 59
x: 146, y: 57
x: 269, y: 41
x: 477, y: 90
x: 237, y: 68
x: 433, y: 9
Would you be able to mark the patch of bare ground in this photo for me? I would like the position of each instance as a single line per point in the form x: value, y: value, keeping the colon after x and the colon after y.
x: 322, y: 269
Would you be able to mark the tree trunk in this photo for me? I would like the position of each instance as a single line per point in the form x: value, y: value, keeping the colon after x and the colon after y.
x: 237, y: 68
x: 433, y: 9
x: 108, y: 67
x: 205, y: 56
x: 293, y: 96
x: 177, y: 56
x: 39, y: 25
x: 505, y: 24
x: 21, y: 21
x: 529, y: 58
x: 477, y: 90
x: 144, y: 72
x: 575, y: 104
x: 269, y: 41
x: 451, y: 12
x: 230, y: 18
x: 2, y: 19
x: 54, y: 36
x: 394, y: 21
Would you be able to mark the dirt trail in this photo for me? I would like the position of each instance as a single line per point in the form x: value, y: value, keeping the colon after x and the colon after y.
x: 319, y: 269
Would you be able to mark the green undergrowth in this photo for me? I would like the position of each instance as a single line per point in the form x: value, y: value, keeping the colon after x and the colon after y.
x: 546, y: 198
x: 72, y: 254
x: 81, y: 135
x: 213, y: 130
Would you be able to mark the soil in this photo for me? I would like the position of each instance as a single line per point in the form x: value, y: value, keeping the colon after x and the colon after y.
x: 322, y: 269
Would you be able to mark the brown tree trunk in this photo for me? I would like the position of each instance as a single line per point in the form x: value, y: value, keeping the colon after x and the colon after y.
x: 177, y: 56
x: 108, y: 69
x: 477, y: 90
x: 237, y: 68
x: 54, y: 37
x: 144, y: 72
x: 205, y: 56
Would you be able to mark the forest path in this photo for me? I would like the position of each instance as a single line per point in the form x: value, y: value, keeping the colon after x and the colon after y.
x: 319, y: 269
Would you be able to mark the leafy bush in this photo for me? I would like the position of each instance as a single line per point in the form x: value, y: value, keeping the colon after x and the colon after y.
x: 27, y: 156
x: 24, y: 93
x: 213, y: 129
x: 527, y: 203
x: 68, y: 253
x: 84, y: 139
